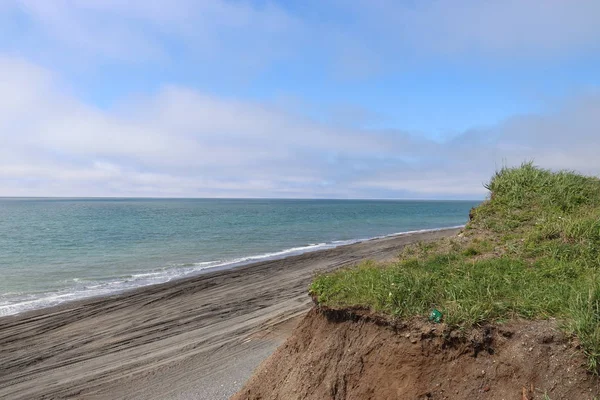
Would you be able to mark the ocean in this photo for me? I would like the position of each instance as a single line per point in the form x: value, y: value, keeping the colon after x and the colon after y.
x: 58, y: 250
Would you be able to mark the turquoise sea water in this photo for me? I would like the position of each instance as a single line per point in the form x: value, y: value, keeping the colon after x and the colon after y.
x: 56, y: 250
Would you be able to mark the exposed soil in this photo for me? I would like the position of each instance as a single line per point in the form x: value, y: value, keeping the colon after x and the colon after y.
x: 352, y: 355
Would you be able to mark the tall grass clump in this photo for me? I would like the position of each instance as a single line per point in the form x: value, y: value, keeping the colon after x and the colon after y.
x: 531, y: 250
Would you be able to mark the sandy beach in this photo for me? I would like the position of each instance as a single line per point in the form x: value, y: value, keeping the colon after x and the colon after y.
x: 195, y: 338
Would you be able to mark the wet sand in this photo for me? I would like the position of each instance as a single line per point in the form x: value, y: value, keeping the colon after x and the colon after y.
x: 195, y: 338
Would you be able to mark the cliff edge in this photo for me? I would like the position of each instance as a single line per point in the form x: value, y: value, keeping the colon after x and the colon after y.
x: 507, y: 309
x: 336, y: 354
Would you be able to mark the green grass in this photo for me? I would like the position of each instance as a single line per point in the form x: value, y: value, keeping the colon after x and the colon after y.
x: 532, y: 250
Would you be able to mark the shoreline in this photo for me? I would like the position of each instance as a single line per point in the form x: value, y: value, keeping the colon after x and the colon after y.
x: 219, y: 265
x: 196, y: 337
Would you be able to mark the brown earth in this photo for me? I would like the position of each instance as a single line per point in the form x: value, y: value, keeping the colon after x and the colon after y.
x: 351, y: 355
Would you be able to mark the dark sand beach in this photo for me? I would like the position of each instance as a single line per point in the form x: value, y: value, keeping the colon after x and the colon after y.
x: 195, y: 338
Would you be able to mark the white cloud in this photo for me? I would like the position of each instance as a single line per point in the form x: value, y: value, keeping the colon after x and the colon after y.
x: 179, y: 142
x: 139, y: 31
x: 496, y: 28
x: 366, y: 38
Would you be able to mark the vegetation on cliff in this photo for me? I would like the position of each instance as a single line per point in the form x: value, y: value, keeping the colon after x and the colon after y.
x: 532, y: 250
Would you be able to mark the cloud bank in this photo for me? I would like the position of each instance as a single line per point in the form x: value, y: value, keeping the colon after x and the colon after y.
x: 257, y: 33
x: 179, y: 142
x: 509, y: 28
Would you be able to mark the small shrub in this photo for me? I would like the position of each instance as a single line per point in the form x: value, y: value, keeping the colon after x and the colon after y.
x: 470, y: 251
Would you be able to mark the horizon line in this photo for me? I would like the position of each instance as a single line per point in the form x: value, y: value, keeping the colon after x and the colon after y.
x: 240, y: 198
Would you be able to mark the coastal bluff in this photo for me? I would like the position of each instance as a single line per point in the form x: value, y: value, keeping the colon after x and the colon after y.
x: 349, y: 354
x: 509, y: 308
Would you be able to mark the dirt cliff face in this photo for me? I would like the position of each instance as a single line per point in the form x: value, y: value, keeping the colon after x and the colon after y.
x: 349, y: 355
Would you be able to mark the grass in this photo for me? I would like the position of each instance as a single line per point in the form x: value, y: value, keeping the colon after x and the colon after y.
x: 532, y: 250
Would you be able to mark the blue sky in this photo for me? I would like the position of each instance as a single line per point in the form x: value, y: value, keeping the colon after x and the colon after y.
x: 344, y: 99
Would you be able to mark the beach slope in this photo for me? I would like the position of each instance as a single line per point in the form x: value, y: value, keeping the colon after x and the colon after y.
x: 199, y: 337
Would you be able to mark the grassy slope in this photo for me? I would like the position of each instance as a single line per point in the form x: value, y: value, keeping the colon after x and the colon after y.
x: 531, y: 251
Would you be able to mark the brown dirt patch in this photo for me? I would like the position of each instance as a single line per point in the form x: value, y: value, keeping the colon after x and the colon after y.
x: 345, y: 355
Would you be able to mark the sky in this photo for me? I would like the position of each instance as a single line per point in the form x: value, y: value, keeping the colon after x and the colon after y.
x: 386, y: 99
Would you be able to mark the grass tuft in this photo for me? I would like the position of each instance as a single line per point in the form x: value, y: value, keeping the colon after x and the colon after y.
x: 532, y: 250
